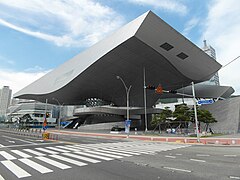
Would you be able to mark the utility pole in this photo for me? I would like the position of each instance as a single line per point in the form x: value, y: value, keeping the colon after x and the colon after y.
x: 145, y: 98
x: 195, y: 112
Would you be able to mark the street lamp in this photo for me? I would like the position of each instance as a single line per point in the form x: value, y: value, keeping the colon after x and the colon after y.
x: 60, y: 112
x: 127, y: 93
x: 195, y: 112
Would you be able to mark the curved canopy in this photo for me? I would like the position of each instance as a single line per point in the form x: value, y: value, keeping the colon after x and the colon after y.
x: 147, y: 42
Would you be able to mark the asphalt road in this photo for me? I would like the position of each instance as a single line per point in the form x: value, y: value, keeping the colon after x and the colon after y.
x: 24, y: 157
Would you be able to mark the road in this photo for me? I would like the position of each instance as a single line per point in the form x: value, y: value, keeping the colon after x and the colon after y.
x: 23, y: 157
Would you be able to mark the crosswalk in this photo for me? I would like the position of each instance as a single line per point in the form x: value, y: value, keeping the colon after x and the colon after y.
x: 69, y: 156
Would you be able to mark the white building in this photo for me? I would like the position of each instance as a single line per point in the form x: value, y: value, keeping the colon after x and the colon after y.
x: 5, y: 97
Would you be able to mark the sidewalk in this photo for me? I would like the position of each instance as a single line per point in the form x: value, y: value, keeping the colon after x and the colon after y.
x: 221, y: 140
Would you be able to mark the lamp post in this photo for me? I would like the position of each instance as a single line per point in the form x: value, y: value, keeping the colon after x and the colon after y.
x: 195, y: 112
x: 127, y: 93
x: 60, y: 112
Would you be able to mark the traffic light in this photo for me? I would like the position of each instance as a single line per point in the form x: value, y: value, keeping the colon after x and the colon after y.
x: 151, y: 87
x: 159, y: 89
x: 47, y: 115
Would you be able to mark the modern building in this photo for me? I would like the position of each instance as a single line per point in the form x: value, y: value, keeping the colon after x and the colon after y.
x: 212, y: 53
x: 5, y: 98
x: 227, y: 114
x: 32, y: 113
x: 147, y: 42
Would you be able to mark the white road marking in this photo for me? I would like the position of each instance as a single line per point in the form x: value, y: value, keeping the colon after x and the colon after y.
x: 7, y: 155
x: 37, y: 144
x: 234, y: 177
x: 197, y: 160
x: 39, y: 140
x: 47, y: 151
x: 1, y: 178
x: 115, y: 150
x: 22, y: 154
x: 2, y: 145
x: 72, y: 161
x: 178, y: 154
x: 115, y: 153
x: 34, y: 152
x: 176, y: 169
x: 54, y: 163
x: 57, y: 149
x: 18, y: 139
x: 12, y: 142
x: 94, y: 156
x: 19, y: 172
x: 230, y: 155
x: 36, y: 166
x: 68, y: 148
x: 81, y: 157
x: 104, y: 154
x: 170, y: 157
x: 203, y: 155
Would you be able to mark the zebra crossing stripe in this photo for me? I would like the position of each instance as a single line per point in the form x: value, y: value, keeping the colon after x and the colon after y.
x: 57, y: 149
x: 22, y: 154
x: 36, y: 166
x: 79, y: 148
x: 54, y: 163
x: 16, y: 170
x: 68, y: 148
x: 115, y: 150
x: 81, y: 157
x: 72, y: 161
x: 1, y: 178
x: 47, y: 151
x: 7, y: 155
x: 94, y: 156
x: 104, y: 154
x: 115, y: 153
x: 34, y: 152
x: 132, y: 150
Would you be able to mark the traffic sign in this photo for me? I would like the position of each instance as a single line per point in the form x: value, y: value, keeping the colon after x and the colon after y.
x: 208, y: 101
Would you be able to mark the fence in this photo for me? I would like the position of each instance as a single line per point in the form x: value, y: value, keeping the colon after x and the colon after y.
x: 37, y: 133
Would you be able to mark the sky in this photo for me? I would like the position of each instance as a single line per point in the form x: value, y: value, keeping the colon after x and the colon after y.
x: 36, y: 36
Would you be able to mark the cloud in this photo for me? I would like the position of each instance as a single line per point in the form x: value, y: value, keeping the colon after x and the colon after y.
x: 167, y: 5
x: 192, y: 23
x: 222, y: 31
x: 18, y: 80
x: 65, y: 23
x: 6, y: 60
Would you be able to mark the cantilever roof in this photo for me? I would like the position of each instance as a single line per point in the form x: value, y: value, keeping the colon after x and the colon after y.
x: 168, y: 57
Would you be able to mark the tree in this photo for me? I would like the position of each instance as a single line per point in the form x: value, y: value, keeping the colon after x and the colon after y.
x: 206, y: 117
x: 162, y: 117
x: 182, y: 114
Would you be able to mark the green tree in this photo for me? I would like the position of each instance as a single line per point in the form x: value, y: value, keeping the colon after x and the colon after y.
x: 206, y: 117
x: 162, y: 117
x: 182, y: 114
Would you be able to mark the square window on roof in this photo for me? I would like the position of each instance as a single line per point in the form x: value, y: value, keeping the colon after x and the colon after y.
x: 166, y: 46
x: 182, y: 55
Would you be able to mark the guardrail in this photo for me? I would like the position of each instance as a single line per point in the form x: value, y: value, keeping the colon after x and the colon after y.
x: 38, y: 133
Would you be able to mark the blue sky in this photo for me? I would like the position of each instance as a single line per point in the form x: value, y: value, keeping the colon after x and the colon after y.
x: 36, y: 36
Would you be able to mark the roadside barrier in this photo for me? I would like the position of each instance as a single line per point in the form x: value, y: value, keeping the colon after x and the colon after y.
x: 45, y: 135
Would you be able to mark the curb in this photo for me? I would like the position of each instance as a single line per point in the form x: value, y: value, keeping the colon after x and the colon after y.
x: 178, y: 140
